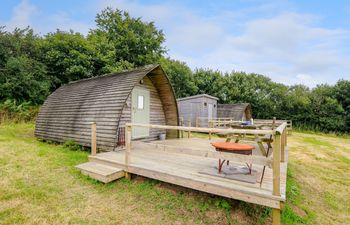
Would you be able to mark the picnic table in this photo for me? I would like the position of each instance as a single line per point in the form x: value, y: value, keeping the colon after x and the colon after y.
x: 259, y: 139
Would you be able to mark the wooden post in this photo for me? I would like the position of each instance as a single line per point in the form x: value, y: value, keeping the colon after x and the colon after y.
x: 182, y: 124
x: 189, y: 125
x: 276, y: 164
x: 210, y: 126
x: 291, y: 127
x: 276, y: 216
x: 276, y: 213
x: 283, y: 138
x: 197, y: 121
x: 127, y: 150
x: 93, y: 138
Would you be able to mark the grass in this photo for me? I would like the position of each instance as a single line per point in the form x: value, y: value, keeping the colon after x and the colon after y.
x: 321, y: 170
x: 39, y: 185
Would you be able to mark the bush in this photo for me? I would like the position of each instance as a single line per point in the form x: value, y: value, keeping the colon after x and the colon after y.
x: 11, y: 111
x: 72, y: 145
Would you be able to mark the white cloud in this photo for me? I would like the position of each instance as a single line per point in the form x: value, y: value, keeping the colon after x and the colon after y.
x: 22, y: 15
x: 63, y: 21
x: 306, y: 79
x: 27, y: 14
x: 286, y: 46
x: 283, y: 46
x: 151, y: 12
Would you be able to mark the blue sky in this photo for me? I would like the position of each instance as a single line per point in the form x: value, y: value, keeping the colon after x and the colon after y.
x: 292, y: 42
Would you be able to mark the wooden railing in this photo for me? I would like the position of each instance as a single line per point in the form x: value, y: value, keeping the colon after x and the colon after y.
x: 205, y: 121
x: 289, y: 126
x: 225, y: 121
x: 279, y: 137
x: 222, y: 122
x: 274, y: 161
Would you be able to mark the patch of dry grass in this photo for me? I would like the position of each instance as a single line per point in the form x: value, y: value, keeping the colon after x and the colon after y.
x: 321, y: 166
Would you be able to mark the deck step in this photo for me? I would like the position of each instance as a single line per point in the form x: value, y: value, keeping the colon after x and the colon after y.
x: 101, y: 172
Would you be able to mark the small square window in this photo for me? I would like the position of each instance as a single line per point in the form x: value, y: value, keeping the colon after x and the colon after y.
x: 140, y: 102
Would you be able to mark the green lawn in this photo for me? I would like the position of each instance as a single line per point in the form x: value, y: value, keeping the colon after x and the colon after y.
x: 39, y: 185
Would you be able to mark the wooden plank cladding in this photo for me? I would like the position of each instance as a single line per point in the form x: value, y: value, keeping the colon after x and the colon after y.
x: 106, y: 100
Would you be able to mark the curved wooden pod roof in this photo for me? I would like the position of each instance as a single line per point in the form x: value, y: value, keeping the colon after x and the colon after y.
x: 69, y: 111
x: 235, y: 111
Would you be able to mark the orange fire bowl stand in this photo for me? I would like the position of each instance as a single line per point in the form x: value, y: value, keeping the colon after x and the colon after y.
x: 236, y: 148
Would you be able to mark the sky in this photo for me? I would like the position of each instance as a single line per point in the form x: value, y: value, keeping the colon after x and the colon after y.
x: 292, y: 42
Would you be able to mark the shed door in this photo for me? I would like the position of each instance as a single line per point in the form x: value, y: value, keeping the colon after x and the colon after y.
x: 140, y: 111
x: 210, y: 111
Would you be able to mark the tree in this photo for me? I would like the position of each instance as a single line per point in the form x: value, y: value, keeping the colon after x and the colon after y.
x: 297, y: 105
x: 17, y: 43
x: 258, y: 90
x: 180, y: 76
x: 128, y: 39
x: 342, y: 94
x: 328, y: 113
x: 105, y: 52
x: 22, y: 75
x: 69, y: 57
x: 24, y: 79
x: 211, y: 82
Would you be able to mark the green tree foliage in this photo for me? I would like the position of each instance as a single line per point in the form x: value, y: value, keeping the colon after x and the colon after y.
x: 256, y: 89
x: 22, y: 76
x: 342, y: 94
x: 129, y: 39
x: 105, y: 52
x: 297, y: 104
x: 327, y: 113
x: 180, y: 76
x: 324, y: 108
x: 69, y: 56
x: 210, y: 82
x: 32, y: 66
x: 24, y: 79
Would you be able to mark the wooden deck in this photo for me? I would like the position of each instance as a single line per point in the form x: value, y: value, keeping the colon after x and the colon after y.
x: 151, y: 159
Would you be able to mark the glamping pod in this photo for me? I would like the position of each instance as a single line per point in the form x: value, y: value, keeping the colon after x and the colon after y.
x: 238, y: 112
x: 143, y: 95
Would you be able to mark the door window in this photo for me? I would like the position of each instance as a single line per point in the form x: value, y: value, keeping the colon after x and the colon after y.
x: 140, y: 102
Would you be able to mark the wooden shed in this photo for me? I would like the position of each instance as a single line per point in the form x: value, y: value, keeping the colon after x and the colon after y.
x: 239, y: 111
x: 143, y: 95
x: 202, y: 107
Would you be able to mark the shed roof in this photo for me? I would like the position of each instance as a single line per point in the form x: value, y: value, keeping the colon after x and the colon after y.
x: 69, y: 111
x: 197, y: 96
